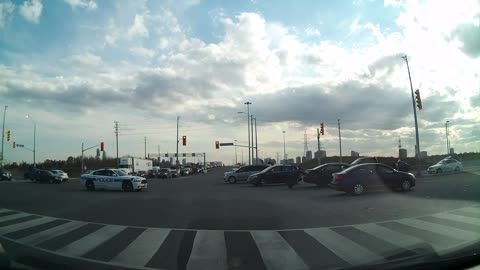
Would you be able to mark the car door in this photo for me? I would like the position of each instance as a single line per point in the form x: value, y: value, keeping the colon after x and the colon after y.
x: 241, y: 174
x: 389, y: 176
x: 112, y: 180
x: 272, y: 175
x: 451, y: 165
x: 369, y: 176
x: 100, y: 178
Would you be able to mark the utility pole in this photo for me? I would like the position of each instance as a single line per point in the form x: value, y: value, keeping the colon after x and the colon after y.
x: 248, y: 126
x: 235, y: 144
x: 253, y: 154
x: 178, y: 119
x: 3, y: 133
x: 284, y: 152
x: 256, y: 141
x: 145, y: 147
x: 116, y: 138
x: 417, y: 149
x: 318, y: 144
x: 340, y: 139
x: 81, y: 170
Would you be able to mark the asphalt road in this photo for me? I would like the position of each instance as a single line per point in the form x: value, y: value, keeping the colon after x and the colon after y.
x: 206, y: 202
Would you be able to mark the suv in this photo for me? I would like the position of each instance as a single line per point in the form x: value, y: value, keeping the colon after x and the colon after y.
x: 287, y: 174
x: 364, y: 160
x: 243, y: 173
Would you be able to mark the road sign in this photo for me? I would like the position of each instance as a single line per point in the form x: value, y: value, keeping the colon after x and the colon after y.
x: 226, y: 144
x: 20, y: 145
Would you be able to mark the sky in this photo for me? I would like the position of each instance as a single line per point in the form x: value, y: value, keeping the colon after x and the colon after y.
x: 76, y: 66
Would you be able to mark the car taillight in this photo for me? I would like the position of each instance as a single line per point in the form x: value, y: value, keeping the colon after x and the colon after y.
x: 339, y: 177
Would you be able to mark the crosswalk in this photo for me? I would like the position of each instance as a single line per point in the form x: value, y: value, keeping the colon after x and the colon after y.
x: 313, y: 248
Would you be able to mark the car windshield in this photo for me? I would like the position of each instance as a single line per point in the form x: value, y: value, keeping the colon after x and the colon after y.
x: 239, y: 134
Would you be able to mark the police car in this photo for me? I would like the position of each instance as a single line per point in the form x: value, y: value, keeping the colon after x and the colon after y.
x: 112, y: 179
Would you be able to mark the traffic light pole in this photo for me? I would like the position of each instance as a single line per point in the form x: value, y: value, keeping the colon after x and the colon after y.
x: 318, y: 144
x: 414, y: 115
x: 3, y: 133
x: 83, y: 150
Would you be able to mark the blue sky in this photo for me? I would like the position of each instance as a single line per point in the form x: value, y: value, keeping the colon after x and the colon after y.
x: 78, y: 65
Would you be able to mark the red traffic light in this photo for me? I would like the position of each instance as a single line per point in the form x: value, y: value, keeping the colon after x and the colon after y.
x: 322, y: 131
x: 419, y: 99
x: 217, y: 144
x: 184, y: 140
x: 102, y: 146
x: 8, y: 135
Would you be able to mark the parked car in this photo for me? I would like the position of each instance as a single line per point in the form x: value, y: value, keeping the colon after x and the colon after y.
x: 45, y: 176
x: 364, y: 160
x: 243, y: 173
x: 322, y: 175
x: 446, y: 165
x: 60, y: 173
x: 164, y: 173
x: 141, y: 174
x: 5, y: 175
x: 402, y: 166
x: 152, y: 173
x: 173, y: 173
x: 30, y: 174
x: 360, y: 178
x: 287, y: 174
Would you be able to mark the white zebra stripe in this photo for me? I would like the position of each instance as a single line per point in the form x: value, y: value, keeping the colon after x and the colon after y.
x: 208, y: 251
x: 50, y: 233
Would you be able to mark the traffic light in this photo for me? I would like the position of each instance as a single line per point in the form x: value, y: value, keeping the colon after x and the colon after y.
x: 102, y: 146
x: 217, y: 144
x: 184, y: 140
x: 418, y: 99
x: 322, y: 131
x: 14, y: 145
x: 8, y: 135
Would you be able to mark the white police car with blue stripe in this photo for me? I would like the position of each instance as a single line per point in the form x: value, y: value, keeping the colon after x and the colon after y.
x: 112, y: 179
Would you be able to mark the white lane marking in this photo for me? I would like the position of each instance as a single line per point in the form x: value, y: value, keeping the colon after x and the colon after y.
x: 142, y: 249
x: 50, y: 233
x: 474, y: 210
x: 395, y: 238
x: 14, y: 216
x: 209, y: 251
x: 440, y: 229
x: 90, y: 241
x: 459, y: 218
x: 276, y: 252
x: 343, y: 247
x: 24, y: 225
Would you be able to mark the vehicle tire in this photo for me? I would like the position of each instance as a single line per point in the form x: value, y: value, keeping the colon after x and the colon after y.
x: 127, y: 186
x: 439, y: 171
x: 457, y: 169
x: 90, y: 185
x: 405, y: 185
x: 358, y: 189
x: 232, y: 180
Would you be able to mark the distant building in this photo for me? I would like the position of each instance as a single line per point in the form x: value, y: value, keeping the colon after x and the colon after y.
x: 354, y: 154
x: 304, y: 159
x: 290, y: 161
x: 323, y: 154
x: 423, y: 154
x: 452, y: 151
x: 309, y: 155
x: 184, y: 161
x: 298, y: 160
x: 402, y: 153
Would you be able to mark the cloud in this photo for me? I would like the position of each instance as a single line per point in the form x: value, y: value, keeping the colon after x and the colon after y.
x: 31, y: 10
x: 6, y: 12
x: 86, y: 60
x: 87, y: 4
x: 138, y: 28
x: 469, y: 35
x: 140, y: 51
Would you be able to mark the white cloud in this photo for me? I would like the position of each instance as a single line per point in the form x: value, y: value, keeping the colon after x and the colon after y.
x: 87, y: 4
x: 144, y: 52
x: 6, y: 11
x: 313, y: 32
x: 31, y: 10
x: 86, y: 60
x: 138, y: 28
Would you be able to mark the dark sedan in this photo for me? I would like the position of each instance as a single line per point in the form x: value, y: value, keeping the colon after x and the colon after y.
x: 44, y: 176
x: 287, y: 174
x: 5, y: 175
x: 322, y: 175
x: 360, y: 178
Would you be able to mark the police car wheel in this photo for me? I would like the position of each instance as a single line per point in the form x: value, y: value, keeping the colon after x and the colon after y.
x: 90, y: 186
x: 127, y: 186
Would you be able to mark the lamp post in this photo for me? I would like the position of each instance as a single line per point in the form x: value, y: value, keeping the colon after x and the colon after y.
x: 34, y: 135
x: 284, y: 152
x: 235, y: 144
x: 3, y: 133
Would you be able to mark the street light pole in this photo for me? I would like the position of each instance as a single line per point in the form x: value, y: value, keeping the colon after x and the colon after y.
x: 34, y: 139
x: 235, y: 143
x: 3, y: 133
x: 176, y: 164
x: 284, y: 152
x: 248, y: 127
x: 417, y: 149
x: 446, y: 135
x: 253, y: 153
x: 256, y: 142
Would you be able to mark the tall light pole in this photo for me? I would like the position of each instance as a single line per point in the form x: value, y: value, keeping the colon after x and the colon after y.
x: 339, y: 139
x: 248, y: 127
x: 235, y: 144
x: 256, y: 142
x: 417, y: 149
x: 3, y: 132
x: 176, y: 164
x: 284, y: 152
x: 34, y: 135
x: 447, y: 134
